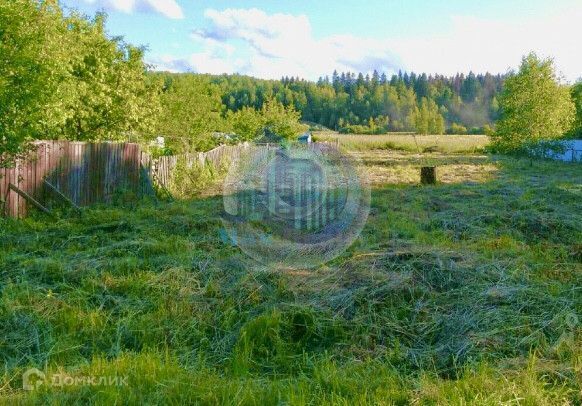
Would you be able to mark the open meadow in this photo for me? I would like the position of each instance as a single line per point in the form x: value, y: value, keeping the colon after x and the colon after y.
x: 407, y: 142
x: 466, y: 291
x: 259, y: 203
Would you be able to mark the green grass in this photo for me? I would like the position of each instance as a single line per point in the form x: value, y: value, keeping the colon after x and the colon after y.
x: 464, y: 292
x: 407, y: 142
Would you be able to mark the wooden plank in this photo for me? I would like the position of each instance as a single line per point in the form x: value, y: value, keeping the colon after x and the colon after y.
x: 12, y: 199
x: 24, y: 181
x: 4, y: 190
x: 45, y: 168
x: 74, y: 174
x: 87, y: 185
x: 62, y: 196
x: 17, y: 182
x: 30, y: 199
x: 33, y: 170
x: 99, y: 168
x: 117, y: 168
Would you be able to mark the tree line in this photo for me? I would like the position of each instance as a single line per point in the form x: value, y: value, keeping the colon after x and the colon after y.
x: 194, y: 104
x: 350, y: 102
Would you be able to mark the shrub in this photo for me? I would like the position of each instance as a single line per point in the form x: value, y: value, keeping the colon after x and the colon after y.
x: 189, y: 180
x: 457, y: 129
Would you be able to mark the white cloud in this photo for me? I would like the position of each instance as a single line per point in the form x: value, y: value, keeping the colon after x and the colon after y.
x: 488, y: 45
x: 249, y: 41
x: 168, y: 8
x: 278, y: 45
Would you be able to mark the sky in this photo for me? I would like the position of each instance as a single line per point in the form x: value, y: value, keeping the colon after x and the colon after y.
x: 307, y: 38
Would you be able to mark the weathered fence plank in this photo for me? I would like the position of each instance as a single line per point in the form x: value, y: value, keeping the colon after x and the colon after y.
x: 83, y: 172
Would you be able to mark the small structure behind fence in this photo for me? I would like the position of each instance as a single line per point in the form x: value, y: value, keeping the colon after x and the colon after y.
x: 561, y: 150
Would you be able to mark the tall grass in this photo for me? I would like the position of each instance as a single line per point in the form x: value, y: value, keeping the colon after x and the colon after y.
x: 408, y: 142
x: 189, y: 181
x: 458, y: 293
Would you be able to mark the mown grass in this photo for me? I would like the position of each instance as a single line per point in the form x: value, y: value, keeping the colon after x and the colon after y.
x: 464, y: 292
x: 406, y: 142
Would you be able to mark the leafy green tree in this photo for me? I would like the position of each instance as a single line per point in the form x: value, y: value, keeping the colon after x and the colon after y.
x: 280, y: 120
x: 191, y: 112
x: 494, y: 108
x: 426, y: 118
x: 62, y: 77
x: 534, y: 106
x: 457, y: 129
x: 246, y: 123
x: 470, y: 88
x: 32, y: 65
x: 111, y: 96
x: 576, y: 93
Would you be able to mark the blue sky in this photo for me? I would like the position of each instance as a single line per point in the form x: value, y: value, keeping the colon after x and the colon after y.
x: 271, y: 39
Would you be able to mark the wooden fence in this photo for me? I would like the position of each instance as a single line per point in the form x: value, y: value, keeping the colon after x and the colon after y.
x: 85, y: 173
x: 160, y: 170
x: 89, y: 173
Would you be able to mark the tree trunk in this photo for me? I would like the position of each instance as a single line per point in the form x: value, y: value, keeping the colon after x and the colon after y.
x: 428, y: 175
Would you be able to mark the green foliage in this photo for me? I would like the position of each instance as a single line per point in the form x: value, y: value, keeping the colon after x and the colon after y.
x: 110, y: 95
x: 534, y: 106
x: 427, y: 119
x: 191, y: 112
x: 576, y: 93
x: 28, y: 82
x: 378, y: 125
x: 457, y: 129
x: 61, y: 77
x: 280, y: 120
x: 187, y: 181
x: 488, y: 130
x: 346, y: 101
x: 246, y: 123
x: 364, y: 106
x: 193, y: 115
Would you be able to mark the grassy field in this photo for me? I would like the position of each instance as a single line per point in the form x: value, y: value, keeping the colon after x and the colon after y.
x: 407, y: 142
x: 469, y: 291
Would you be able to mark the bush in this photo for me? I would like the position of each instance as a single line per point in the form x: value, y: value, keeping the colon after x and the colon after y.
x: 189, y: 180
x: 280, y: 120
x: 457, y: 129
x: 378, y: 125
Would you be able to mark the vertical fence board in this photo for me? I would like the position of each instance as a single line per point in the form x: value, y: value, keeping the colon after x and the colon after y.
x: 86, y: 173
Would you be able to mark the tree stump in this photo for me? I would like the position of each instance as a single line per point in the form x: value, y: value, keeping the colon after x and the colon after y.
x: 428, y: 175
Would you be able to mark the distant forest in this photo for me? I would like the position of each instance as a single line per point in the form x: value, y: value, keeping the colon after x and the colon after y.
x: 357, y: 103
